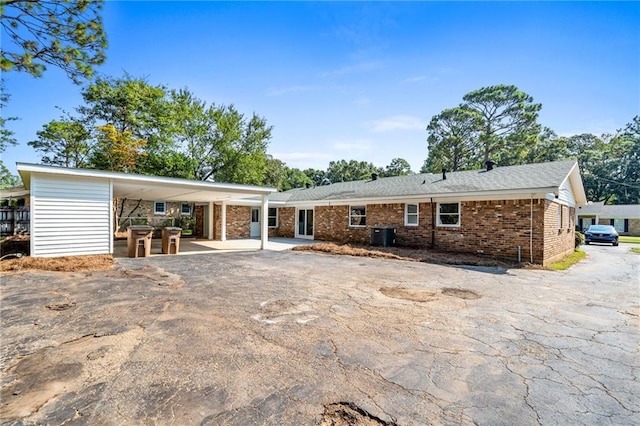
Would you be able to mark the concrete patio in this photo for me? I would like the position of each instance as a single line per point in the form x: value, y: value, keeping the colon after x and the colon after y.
x: 201, y: 246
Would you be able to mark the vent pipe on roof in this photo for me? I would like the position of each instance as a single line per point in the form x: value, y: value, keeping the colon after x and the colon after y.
x: 374, y: 176
x: 444, y: 174
x: 489, y: 164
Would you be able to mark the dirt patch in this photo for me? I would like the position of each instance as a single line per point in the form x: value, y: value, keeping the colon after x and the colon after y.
x: 95, y: 262
x: 346, y: 249
x: 60, y: 306
x: 15, y: 244
x: 461, y: 293
x: 348, y: 414
x: 410, y: 254
x: 413, y: 294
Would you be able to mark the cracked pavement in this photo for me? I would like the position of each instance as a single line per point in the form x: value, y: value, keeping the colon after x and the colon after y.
x: 275, y: 337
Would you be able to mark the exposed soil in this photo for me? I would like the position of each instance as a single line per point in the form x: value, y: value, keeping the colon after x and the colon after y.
x: 348, y: 414
x: 410, y: 254
x: 15, y: 244
x: 413, y: 294
x: 96, y: 262
x: 461, y: 293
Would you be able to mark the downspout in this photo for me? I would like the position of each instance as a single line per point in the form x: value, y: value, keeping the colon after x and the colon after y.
x: 531, y: 231
x: 433, y: 225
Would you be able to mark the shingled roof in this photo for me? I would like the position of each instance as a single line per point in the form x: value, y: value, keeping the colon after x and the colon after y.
x: 525, y: 178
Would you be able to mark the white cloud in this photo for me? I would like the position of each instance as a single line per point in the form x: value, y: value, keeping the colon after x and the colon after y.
x: 397, y: 122
x: 279, y: 91
x: 355, y: 145
x: 352, y: 69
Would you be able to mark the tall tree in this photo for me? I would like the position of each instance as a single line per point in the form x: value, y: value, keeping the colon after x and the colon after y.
x: 117, y: 151
x: 295, y: 178
x: 453, y: 141
x: 67, y: 34
x: 507, y: 122
x: 131, y: 104
x: 218, y: 142
x: 398, y: 167
x: 629, y: 140
x: 548, y: 147
x: 64, y: 142
x: 317, y: 177
x: 6, y: 138
x: 343, y: 171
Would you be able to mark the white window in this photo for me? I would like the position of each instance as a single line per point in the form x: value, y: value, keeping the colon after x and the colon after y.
x: 559, y: 216
x: 448, y: 214
x: 185, y: 209
x: 159, y: 207
x: 357, y: 215
x: 273, y: 217
x: 411, y: 215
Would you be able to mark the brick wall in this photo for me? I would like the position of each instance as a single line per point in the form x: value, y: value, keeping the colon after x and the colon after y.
x: 495, y: 228
x: 238, y: 222
x: 559, y: 239
x: 286, y: 223
x: 138, y: 212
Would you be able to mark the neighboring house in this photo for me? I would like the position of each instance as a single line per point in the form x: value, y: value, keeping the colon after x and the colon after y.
x: 524, y: 212
x: 624, y: 217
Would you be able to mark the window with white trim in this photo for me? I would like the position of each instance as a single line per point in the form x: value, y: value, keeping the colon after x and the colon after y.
x: 357, y: 216
x: 559, y: 216
x: 159, y: 207
x: 273, y: 217
x: 185, y: 209
x: 411, y: 215
x: 448, y: 214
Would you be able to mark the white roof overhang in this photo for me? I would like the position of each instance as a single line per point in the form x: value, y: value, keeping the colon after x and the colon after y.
x: 144, y: 187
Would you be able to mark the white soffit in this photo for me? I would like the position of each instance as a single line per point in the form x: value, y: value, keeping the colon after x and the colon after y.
x: 153, y: 187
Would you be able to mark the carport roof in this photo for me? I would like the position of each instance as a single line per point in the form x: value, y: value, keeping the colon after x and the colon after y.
x: 127, y: 185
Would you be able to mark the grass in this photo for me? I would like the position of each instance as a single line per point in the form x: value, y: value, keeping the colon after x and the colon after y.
x: 635, y: 250
x: 568, y: 261
x: 627, y: 239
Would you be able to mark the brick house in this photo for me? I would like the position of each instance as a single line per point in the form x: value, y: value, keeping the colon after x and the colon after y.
x: 624, y: 217
x: 519, y: 212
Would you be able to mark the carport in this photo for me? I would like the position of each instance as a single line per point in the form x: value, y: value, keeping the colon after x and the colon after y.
x: 72, y: 210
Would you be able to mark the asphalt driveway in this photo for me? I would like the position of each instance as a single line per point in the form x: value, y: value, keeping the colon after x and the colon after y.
x: 279, y: 338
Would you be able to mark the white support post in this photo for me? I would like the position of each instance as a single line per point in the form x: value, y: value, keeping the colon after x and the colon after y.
x: 264, y: 223
x: 210, y: 236
x: 223, y: 220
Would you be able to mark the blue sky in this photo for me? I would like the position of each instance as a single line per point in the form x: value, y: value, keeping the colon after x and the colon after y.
x: 361, y: 80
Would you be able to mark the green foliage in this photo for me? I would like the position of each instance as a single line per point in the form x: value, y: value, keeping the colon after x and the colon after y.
x: 63, y: 142
x: 318, y: 177
x: 579, y: 239
x: 219, y: 143
x: 453, y: 141
x: 67, y: 34
x: 295, y: 178
x: 7, y: 180
x: 343, y: 171
x: 496, y: 123
x: 117, y: 151
x: 397, y: 167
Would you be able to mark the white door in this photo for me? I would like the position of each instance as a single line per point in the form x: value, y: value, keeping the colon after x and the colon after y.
x: 304, y: 224
x: 255, y: 222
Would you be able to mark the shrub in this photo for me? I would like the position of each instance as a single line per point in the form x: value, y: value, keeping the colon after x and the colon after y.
x: 579, y: 239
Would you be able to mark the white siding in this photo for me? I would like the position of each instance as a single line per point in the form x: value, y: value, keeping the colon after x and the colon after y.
x: 70, y: 216
x: 566, y: 193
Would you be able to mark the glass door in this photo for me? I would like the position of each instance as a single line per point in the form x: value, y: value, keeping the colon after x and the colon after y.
x: 304, y: 228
